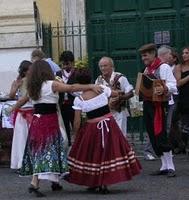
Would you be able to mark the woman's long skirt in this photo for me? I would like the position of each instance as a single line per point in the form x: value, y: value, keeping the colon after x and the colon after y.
x: 101, y: 154
x: 44, y: 153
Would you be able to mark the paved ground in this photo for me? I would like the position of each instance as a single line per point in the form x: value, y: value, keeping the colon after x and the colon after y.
x: 142, y: 187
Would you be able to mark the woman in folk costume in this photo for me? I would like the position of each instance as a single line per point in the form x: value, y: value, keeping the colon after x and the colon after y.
x: 44, y: 156
x: 154, y: 111
x: 100, y: 155
x: 22, y: 116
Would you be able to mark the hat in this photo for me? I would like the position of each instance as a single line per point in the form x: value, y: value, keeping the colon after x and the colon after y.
x: 147, y: 48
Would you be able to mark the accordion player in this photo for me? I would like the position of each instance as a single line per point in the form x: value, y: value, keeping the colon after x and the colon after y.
x: 145, y: 88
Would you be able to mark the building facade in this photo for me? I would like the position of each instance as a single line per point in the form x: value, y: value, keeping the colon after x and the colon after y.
x: 17, y: 38
x: 21, y: 32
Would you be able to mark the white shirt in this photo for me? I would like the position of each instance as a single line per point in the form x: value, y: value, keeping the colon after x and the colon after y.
x: 55, y: 68
x: 65, y: 75
x: 166, y: 74
x: 124, y: 83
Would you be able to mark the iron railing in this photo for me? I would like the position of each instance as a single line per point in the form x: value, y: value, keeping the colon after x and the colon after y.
x: 67, y: 37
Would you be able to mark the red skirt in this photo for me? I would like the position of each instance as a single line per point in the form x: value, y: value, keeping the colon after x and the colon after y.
x: 101, y: 154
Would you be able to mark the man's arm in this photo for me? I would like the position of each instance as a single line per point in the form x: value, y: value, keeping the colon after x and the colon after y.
x: 127, y: 95
x: 126, y: 88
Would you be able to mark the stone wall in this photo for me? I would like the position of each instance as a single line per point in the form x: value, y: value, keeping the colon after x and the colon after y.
x: 17, y: 25
x: 17, y: 38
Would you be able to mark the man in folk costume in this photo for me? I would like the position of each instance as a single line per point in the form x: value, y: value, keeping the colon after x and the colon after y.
x: 116, y: 81
x: 66, y: 99
x: 154, y: 112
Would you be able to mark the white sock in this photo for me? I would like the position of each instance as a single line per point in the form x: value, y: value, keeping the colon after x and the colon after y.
x: 169, y: 159
x: 163, y: 163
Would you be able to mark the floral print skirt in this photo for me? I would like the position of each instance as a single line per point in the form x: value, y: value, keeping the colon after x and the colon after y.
x: 44, y: 151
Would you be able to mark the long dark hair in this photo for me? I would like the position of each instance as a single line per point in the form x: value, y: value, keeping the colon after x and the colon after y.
x: 175, y: 56
x: 23, y: 68
x: 40, y: 72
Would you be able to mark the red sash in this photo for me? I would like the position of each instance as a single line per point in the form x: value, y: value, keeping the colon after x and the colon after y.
x: 158, y: 118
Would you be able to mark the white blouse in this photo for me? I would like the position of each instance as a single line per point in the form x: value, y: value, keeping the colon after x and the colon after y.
x: 94, y: 103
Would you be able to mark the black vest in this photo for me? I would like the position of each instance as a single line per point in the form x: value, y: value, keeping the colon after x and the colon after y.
x: 71, y: 80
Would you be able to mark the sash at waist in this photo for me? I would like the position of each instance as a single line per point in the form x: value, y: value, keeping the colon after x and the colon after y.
x: 98, y: 112
x: 45, y: 108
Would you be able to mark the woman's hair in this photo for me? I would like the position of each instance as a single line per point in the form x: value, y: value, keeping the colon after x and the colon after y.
x: 186, y: 47
x: 83, y: 76
x: 39, y: 73
x: 23, y: 68
x: 176, y: 56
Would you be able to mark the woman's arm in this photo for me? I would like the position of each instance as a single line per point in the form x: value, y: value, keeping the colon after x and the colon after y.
x: 77, y: 121
x: 14, y: 87
x: 61, y: 87
x: 20, y: 102
x: 180, y: 81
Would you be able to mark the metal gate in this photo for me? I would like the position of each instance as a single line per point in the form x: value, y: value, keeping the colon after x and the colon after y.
x: 68, y: 37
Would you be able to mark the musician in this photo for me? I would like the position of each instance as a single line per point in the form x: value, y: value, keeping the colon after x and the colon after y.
x: 154, y: 112
x: 116, y: 81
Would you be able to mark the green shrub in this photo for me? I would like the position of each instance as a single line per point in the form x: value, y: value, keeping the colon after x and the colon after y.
x: 81, y: 63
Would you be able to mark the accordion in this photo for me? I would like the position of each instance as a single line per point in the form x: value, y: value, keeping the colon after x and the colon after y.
x: 145, y: 88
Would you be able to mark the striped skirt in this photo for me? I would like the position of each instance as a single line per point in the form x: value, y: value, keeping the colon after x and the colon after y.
x: 101, y: 154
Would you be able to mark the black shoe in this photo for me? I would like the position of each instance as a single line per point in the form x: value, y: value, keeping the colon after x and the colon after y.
x: 171, y: 173
x: 66, y: 176
x: 17, y: 171
x: 104, y: 190
x: 92, y: 189
x: 96, y: 189
x: 177, y: 151
x: 160, y: 172
x: 56, y: 186
x: 35, y: 191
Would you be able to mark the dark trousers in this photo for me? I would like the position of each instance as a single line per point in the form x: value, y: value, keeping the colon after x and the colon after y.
x: 67, y: 113
x: 176, y: 136
x: 160, y: 142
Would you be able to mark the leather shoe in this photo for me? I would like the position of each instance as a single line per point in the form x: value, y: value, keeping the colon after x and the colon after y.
x: 171, y: 173
x: 160, y: 172
x: 56, y: 186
